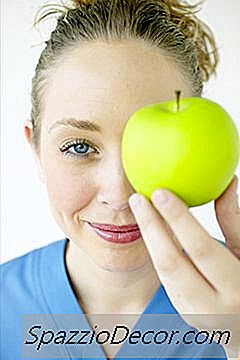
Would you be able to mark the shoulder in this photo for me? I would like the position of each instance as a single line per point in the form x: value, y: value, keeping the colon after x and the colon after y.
x: 21, y: 294
x: 20, y: 277
x: 18, y: 265
x: 21, y: 291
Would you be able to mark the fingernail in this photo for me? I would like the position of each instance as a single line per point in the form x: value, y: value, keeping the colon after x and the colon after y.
x: 135, y: 200
x: 160, y: 197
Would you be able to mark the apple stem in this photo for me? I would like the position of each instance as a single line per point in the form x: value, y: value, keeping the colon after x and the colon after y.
x: 178, y: 93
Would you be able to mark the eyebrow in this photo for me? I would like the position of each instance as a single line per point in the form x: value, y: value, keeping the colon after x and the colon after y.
x: 76, y: 123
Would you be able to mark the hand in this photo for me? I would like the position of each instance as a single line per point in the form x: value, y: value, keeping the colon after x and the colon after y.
x: 206, y: 278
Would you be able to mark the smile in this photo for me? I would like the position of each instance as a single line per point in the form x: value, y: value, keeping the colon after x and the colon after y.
x: 117, y: 234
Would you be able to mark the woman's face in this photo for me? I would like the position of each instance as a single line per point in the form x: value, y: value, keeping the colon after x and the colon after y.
x: 101, y: 83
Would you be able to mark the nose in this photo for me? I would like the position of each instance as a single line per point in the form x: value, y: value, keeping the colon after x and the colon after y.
x: 114, y: 188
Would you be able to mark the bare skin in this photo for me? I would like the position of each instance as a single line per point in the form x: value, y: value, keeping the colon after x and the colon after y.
x: 106, y: 83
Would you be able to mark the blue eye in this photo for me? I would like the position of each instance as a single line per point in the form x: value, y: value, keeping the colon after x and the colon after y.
x: 77, y: 148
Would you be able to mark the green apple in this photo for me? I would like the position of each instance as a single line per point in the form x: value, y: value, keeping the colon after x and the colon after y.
x: 189, y: 146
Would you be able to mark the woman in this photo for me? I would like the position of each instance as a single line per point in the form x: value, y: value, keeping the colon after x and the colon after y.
x: 103, y: 61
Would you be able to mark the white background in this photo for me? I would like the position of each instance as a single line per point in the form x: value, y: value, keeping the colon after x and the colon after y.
x: 26, y: 219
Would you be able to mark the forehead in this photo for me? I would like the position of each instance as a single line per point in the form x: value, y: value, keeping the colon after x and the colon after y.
x: 109, y: 81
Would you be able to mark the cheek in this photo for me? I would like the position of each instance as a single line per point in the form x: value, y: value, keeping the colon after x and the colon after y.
x: 69, y: 192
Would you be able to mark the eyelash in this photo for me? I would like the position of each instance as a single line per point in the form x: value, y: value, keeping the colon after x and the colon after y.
x: 75, y: 142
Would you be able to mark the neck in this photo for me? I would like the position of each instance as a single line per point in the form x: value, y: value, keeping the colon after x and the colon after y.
x: 103, y: 291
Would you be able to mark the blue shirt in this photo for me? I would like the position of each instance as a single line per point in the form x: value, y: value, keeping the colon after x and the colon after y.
x: 37, y: 283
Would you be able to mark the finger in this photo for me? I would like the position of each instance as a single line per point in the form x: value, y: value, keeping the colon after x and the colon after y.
x: 184, y: 284
x: 228, y: 216
x: 206, y: 253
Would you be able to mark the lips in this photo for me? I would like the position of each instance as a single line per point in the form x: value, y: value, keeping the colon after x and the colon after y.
x: 115, y: 228
x: 117, y: 234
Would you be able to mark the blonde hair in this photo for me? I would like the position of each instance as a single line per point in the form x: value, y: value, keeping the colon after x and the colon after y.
x: 170, y: 25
